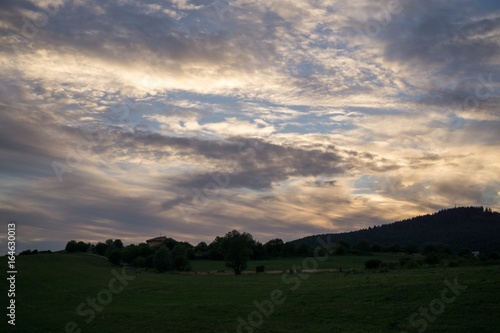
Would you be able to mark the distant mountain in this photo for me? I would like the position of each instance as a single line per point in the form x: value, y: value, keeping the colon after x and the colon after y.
x: 475, y: 228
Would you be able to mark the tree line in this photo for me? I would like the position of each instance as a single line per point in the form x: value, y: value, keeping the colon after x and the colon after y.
x: 236, y: 248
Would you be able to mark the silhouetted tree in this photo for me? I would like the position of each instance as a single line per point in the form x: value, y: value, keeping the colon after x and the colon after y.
x: 130, y: 253
x: 258, y: 251
x: 274, y: 247
x: 237, y: 249
x: 100, y: 249
x: 115, y: 256
x: 289, y: 250
x: 181, y: 263
x: 82, y: 247
x: 139, y: 262
x: 162, y: 259
x: 118, y: 243
x: 214, y: 250
x: 71, y: 246
x: 304, y: 250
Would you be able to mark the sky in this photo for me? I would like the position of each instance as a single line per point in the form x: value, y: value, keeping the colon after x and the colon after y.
x: 134, y: 119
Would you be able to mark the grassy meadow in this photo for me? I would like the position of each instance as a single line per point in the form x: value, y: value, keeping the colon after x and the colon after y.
x: 50, y: 289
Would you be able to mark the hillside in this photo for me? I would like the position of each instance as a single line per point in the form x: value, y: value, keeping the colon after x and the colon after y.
x: 475, y: 228
x: 77, y: 292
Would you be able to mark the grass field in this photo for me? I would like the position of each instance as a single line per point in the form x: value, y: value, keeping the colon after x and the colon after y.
x: 50, y: 288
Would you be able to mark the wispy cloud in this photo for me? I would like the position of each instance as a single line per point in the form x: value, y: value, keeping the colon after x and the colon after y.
x: 318, y: 115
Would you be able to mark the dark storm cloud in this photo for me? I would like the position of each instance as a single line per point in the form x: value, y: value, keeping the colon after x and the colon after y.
x: 250, y: 163
x: 455, y: 43
x: 161, y: 37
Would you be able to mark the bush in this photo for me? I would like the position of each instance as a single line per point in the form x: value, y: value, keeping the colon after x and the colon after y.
x: 139, y: 262
x: 259, y: 269
x: 373, y: 264
x: 181, y: 263
x: 390, y: 265
x: 148, y: 261
x: 162, y: 259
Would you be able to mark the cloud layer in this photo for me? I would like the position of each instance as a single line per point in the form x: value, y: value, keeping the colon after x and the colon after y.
x: 190, y: 118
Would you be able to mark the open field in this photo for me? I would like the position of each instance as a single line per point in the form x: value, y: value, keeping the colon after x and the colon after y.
x: 50, y: 288
x: 333, y: 262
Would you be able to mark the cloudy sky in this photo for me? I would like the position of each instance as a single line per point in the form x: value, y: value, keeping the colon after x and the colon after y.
x: 283, y: 118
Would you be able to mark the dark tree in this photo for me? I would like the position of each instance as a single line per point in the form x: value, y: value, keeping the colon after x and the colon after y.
x: 100, y: 249
x: 289, y: 250
x: 118, y: 243
x: 82, y: 247
x: 258, y: 251
x: 139, y: 262
x: 305, y: 250
x: 130, y: 253
x: 72, y: 246
x: 115, y: 256
x: 237, y: 249
x: 274, y: 247
x: 162, y: 259
x: 214, y: 250
x: 181, y: 263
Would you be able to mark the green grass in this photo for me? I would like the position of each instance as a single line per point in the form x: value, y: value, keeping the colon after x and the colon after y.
x: 334, y: 262
x: 50, y: 288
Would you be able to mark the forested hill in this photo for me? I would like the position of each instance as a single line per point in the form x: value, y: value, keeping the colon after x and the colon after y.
x: 475, y: 228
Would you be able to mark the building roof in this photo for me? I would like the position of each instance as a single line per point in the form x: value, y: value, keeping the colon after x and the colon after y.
x: 157, y: 239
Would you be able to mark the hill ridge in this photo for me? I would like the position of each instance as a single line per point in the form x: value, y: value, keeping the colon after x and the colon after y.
x: 475, y: 227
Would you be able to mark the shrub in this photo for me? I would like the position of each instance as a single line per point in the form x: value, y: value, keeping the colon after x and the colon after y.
x: 181, y: 263
x: 139, y: 262
x: 373, y: 264
x: 390, y: 265
x: 162, y: 259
